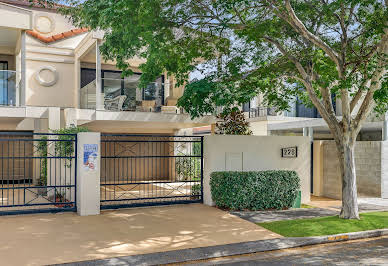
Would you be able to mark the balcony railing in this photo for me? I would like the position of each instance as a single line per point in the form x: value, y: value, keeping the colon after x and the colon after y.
x: 122, y: 95
x: 262, y: 112
x: 9, y: 88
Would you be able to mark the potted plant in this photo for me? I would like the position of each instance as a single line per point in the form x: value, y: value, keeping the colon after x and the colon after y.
x: 60, y: 197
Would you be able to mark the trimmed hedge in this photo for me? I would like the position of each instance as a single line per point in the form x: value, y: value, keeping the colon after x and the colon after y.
x: 261, y: 190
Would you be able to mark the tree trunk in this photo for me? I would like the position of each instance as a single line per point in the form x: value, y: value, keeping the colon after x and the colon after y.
x: 348, y: 172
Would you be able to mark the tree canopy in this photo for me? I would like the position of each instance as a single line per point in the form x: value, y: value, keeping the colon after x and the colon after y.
x: 246, y: 46
x: 228, y: 51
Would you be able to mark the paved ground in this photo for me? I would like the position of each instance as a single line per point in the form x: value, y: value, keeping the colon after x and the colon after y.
x: 58, y: 238
x: 270, y: 216
x: 365, y: 204
x: 360, y: 252
x: 323, y: 207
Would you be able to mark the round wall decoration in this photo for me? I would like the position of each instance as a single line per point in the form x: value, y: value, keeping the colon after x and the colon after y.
x: 47, y: 76
x: 44, y: 23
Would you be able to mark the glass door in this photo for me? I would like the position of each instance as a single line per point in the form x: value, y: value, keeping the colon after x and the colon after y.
x: 3, y: 83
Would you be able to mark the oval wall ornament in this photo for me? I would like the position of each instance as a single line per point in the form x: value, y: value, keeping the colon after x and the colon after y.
x: 44, y: 23
x: 53, y: 76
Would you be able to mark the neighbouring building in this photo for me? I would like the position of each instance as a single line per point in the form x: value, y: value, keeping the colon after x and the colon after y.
x: 370, y: 152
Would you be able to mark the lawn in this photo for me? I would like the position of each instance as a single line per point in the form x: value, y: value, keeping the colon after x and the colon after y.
x: 328, y: 225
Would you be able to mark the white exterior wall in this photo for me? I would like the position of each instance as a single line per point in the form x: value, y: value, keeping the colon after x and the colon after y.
x: 255, y: 153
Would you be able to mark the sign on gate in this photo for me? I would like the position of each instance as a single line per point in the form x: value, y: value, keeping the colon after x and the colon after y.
x: 90, y: 157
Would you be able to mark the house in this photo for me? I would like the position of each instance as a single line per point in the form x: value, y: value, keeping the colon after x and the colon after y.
x: 52, y: 76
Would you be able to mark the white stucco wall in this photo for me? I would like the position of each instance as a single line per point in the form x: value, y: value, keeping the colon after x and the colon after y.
x: 255, y: 153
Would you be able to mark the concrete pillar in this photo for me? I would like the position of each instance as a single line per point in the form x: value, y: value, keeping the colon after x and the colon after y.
x: 77, y: 85
x: 21, y: 95
x: 88, y: 173
x: 311, y: 134
x: 99, y: 100
x: 54, y: 118
x: 318, y: 168
x: 213, y: 129
x: 54, y: 166
x: 70, y: 115
x: 385, y: 128
x: 305, y: 131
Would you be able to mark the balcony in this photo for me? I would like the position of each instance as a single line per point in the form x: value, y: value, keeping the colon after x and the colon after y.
x: 124, y: 95
x: 9, y: 88
x: 262, y: 112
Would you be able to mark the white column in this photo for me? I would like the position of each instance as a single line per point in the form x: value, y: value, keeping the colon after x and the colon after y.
x: 99, y: 100
x: 385, y: 127
x: 22, y: 92
x: 311, y: 134
x: 305, y: 132
x: 77, y: 74
x: 54, y: 118
x: 88, y: 173
x: 54, y: 166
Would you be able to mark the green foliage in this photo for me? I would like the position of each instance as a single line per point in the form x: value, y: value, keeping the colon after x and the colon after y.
x: 196, y: 191
x: 188, y: 168
x: 260, y: 190
x: 204, y: 96
x: 65, y: 147
x: 42, y: 151
x: 328, y: 225
x: 231, y: 45
x: 234, y: 123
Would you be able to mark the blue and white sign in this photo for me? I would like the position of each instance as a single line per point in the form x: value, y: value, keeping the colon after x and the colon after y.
x: 90, y: 162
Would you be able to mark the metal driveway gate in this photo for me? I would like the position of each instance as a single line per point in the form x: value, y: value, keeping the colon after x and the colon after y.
x: 139, y: 170
x: 37, y: 172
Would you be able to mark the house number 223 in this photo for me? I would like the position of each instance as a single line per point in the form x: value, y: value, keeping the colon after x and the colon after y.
x: 290, y: 152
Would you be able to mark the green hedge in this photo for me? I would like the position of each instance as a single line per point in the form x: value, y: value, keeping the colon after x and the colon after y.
x: 260, y: 190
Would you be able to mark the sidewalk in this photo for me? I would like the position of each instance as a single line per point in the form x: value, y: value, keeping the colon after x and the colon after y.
x: 364, y: 204
x: 322, y: 207
x: 205, y: 253
x: 42, y: 239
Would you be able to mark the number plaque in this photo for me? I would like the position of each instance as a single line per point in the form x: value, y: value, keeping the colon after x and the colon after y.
x: 290, y: 152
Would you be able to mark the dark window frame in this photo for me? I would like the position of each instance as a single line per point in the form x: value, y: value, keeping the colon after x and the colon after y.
x: 103, y: 71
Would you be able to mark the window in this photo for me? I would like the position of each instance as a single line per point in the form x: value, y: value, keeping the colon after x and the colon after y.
x: 3, y: 83
x: 113, y: 85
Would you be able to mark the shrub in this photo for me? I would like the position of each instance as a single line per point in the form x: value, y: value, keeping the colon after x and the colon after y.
x: 261, y: 190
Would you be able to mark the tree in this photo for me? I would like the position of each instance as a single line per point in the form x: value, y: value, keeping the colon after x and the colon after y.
x: 313, y: 49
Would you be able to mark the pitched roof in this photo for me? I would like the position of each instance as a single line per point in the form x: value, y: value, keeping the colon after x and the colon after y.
x: 34, y: 3
x: 56, y: 37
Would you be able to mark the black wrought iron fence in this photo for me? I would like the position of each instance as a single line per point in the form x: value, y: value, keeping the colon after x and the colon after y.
x: 37, y: 172
x: 150, y: 170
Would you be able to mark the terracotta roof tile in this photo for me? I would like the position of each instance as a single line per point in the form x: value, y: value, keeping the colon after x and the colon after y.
x: 34, y: 3
x: 56, y: 37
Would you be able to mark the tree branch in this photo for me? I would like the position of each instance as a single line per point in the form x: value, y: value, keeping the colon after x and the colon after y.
x: 300, y: 27
x: 327, y: 114
x: 375, y: 84
x: 356, y: 98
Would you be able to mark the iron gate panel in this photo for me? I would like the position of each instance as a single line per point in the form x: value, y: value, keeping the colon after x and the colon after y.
x: 37, y: 172
x: 138, y: 170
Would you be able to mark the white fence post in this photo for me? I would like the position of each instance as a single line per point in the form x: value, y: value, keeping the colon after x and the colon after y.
x: 88, y: 173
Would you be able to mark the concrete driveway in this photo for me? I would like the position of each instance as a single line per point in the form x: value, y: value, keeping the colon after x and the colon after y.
x: 57, y: 238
